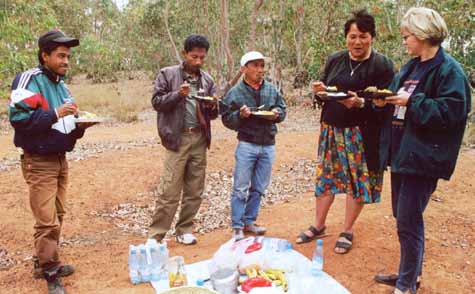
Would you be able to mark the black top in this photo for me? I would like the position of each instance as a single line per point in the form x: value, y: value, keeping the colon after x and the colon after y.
x: 378, y: 71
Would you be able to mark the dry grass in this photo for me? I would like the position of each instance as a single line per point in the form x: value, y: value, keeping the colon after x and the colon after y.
x: 122, y: 100
x: 3, y: 108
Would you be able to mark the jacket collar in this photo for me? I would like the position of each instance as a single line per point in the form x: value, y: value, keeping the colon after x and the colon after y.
x: 253, y: 87
x: 183, y: 73
x: 438, y: 59
x: 51, y: 75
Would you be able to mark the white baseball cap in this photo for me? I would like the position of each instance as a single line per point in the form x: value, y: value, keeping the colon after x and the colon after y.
x: 250, y: 56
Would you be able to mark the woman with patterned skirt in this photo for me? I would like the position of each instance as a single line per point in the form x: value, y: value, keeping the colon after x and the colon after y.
x: 349, y: 135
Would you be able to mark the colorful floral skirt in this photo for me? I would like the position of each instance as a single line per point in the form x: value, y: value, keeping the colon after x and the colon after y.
x: 342, y: 166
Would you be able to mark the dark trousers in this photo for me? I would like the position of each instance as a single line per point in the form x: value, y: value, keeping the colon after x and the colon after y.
x: 410, y: 196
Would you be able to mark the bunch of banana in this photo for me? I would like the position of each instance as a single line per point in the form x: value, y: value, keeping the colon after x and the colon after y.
x: 251, y: 272
x: 276, y: 276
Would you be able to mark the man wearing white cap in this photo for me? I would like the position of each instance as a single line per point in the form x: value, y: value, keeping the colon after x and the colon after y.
x: 252, y: 108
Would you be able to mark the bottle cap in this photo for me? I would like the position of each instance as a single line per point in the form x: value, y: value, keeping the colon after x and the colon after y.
x: 319, y: 242
x: 200, y: 282
x: 289, y: 246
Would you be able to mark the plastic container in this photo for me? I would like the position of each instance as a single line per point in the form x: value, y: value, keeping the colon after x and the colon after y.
x: 317, y: 259
x: 176, y: 273
x: 225, y: 281
x: 133, y: 265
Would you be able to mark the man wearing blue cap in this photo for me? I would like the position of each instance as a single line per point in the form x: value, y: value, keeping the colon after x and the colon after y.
x: 252, y: 108
x: 41, y: 110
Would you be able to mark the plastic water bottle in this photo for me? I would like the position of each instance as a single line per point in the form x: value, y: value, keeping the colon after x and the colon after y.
x: 133, y: 265
x: 155, y: 266
x: 144, y: 269
x: 276, y: 244
x: 154, y: 259
x: 317, y: 259
x: 163, y: 261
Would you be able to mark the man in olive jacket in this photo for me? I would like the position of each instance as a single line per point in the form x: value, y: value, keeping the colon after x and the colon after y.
x: 184, y: 128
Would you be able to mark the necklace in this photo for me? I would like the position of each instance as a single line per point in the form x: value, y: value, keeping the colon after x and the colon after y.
x: 355, y: 68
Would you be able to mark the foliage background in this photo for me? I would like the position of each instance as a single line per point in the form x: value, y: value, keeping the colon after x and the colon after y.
x: 298, y: 34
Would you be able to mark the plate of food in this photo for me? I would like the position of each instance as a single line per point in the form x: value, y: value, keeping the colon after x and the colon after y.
x: 375, y: 93
x: 89, y: 117
x: 263, y: 113
x: 325, y: 95
x: 205, y: 98
x: 331, y: 89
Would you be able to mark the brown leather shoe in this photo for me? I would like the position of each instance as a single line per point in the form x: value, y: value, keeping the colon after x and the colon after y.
x: 391, y: 279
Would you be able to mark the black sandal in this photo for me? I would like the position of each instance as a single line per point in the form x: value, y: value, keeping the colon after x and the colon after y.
x: 346, y: 246
x: 304, y: 238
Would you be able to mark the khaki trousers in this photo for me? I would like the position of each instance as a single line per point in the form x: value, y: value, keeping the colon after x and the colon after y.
x: 47, y: 177
x: 184, y: 170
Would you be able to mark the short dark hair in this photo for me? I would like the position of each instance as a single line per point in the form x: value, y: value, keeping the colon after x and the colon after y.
x: 48, y: 48
x: 364, y: 22
x: 195, y: 41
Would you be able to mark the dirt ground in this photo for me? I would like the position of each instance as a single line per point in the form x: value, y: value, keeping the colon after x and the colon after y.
x: 118, y: 176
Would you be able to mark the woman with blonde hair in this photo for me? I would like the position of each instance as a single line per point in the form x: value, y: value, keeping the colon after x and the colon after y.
x: 422, y: 134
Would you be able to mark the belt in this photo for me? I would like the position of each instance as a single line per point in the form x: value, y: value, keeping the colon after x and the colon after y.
x: 52, y: 155
x: 191, y: 130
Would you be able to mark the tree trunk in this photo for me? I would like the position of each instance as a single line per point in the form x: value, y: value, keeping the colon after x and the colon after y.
x: 253, y: 35
x: 225, y: 38
x: 213, y: 49
x: 298, y: 35
x: 170, y: 36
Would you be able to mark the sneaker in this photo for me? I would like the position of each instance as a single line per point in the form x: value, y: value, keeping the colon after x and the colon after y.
x: 255, y: 229
x: 187, y: 239
x: 397, y: 291
x: 238, y: 234
x: 55, y: 286
x: 64, y: 271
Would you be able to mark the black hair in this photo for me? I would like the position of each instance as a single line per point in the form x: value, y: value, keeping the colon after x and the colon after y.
x: 364, y: 22
x: 47, y: 48
x: 195, y: 41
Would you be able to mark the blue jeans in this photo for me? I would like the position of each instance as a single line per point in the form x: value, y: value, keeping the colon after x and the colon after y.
x: 251, y: 177
x: 410, y: 196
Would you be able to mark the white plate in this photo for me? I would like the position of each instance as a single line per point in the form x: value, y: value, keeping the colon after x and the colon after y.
x: 91, y: 120
x: 263, y: 113
x: 205, y: 98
